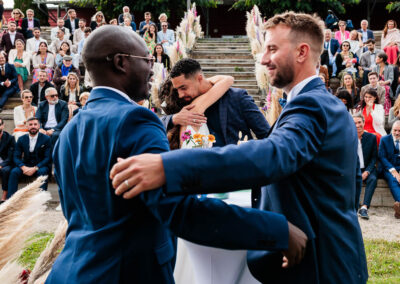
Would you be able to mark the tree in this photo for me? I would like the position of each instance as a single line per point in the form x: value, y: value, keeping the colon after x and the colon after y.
x: 270, y: 7
x: 393, y: 6
x: 40, y: 14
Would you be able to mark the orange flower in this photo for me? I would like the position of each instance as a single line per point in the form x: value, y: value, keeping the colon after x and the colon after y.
x: 211, y: 138
x: 198, y: 141
x: 197, y: 136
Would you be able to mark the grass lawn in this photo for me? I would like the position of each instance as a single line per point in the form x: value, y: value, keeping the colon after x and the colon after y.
x: 383, y: 257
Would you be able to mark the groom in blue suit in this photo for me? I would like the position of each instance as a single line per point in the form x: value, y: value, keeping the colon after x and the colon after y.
x: 309, y: 163
x: 114, y: 240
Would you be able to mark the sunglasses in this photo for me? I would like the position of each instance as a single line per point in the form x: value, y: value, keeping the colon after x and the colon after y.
x: 28, y: 97
x: 346, y: 45
x: 53, y: 96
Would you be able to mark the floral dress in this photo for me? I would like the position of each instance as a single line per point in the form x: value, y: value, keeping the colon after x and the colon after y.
x: 150, y: 41
x: 49, y: 72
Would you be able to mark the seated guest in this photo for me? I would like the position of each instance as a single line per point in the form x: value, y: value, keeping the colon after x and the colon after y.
x: 324, y: 70
x: 22, y: 113
x: 21, y: 60
x: 8, y: 81
x: 367, y: 60
x: 161, y: 57
x: 385, y: 75
x: 367, y: 155
x: 163, y: 18
x: 38, y: 89
x: 61, y: 73
x: 342, y: 35
x: 390, y: 41
x: 128, y: 22
x: 348, y: 83
x: 365, y: 33
x: 165, y: 36
x: 356, y: 44
x: 32, y: 156
x: 331, y: 49
x: 70, y: 91
x: 32, y: 44
x: 29, y: 23
x: 82, y: 99
x: 88, y: 31
x: 65, y: 49
x: 113, y: 22
x: 346, y: 61
x: 323, y: 78
x: 345, y: 97
x: 150, y: 38
x: 145, y: 25
x: 72, y: 23
x: 60, y: 25
x: 125, y: 10
x: 98, y: 20
x: 374, y: 115
x: 7, y: 144
x: 373, y: 83
x: 389, y: 157
x: 394, y: 113
x: 79, y: 32
x: 56, y: 44
x: 9, y: 38
x: 17, y: 17
x: 43, y: 61
x: 52, y: 115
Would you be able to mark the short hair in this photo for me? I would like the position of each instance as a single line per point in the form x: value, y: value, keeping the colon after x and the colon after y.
x: 395, y: 123
x: 370, y: 41
x: 84, y: 94
x: 187, y: 67
x: 87, y: 30
x: 11, y: 22
x: 71, y: 10
x: 43, y: 71
x: 36, y: 29
x: 30, y: 10
x: 303, y: 27
x: 48, y: 90
x: 58, y: 19
x: 82, y: 20
x: 359, y: 115
x: 383, y: 55
x: 32, y: 118
x: 162, y: 15
x: 24, y: 92
x: 147, y: 13
x: 373, y: 74
x: 127, y: 15
x: 362, y: 21
x: 328, y: 30
x: 62, y: 29
x: 342, y: 22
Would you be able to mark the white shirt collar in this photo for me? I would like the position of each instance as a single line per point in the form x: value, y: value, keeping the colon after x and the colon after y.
x: 116, y: 91
x: 34, y: 137
x: 297, y: 89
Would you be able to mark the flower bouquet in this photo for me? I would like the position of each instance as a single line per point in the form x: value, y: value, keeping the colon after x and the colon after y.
x: 198, y: 140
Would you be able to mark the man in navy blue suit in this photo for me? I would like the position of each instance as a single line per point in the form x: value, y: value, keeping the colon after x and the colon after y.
x: 331, y: 50
x: 309, y: 162
x: 32, y: 156
x: 367, y: 154
x: 8, y: 81
x: 389, y: 156
x: 366, y: 33
x: 114, y: 240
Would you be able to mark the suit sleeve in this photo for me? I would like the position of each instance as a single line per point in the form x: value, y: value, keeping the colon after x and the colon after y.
x: 167, y: 122
x: 294, y: 142
x: 205, y: 221
x: 47, y: 154
x: 10, y: 150
x: 374, y: 153
x: 64, y: 117
x: 14, y: 75
x: 39, y: 115
x: 18, y: 153
x: 384, y: 155
x: 255, y: 120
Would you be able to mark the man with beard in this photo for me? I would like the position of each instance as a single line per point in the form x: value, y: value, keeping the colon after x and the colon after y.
x: 113, y: 240
x: 367, y: 59
x: 32, y: 156
x: 309, y: 162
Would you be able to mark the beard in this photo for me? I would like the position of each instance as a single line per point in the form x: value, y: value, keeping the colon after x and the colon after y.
x: 284, y: 76
x: 33, y: 131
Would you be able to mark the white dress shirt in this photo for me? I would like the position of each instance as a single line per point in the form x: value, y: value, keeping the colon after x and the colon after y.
x: 297, y: 89
x: 360, y: 154
x: 12, y: 37
x: 32, y: 142
x: 51, y: 118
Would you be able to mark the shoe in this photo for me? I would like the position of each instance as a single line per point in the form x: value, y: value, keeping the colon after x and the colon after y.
x: 363, y: 213
x: 396, y: 208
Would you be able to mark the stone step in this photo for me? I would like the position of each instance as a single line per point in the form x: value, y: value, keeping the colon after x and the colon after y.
x: 225, y: 45
x: 218, y: 68
x: 245, y: 82
x: 223, y: 50
x: 236, y: 75
x: 221, y: 55
x: 223, y: 40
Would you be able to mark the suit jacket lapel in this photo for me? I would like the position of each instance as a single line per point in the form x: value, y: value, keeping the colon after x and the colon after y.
x: 223, y: 114
x: 38, y: 142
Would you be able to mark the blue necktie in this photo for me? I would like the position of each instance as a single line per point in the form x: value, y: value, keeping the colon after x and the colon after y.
x: 397, y: 146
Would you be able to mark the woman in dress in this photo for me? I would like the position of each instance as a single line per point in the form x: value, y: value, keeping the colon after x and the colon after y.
x: 374, y: 115
x: 17, y: 16
x: 356, y: 44
x: 70, y: 91
x: 22, y: 113
x: 348, y: 83
x: 65, y: 49
x: 21, y: 60
x: 98, y: 20
x: 150, y: 37
x: 345, y: 97
x: 346, y: 61
x: 390, y: 40
x: 161, y: 57
x: 386, y: 75
x: 43, y: 60
x: 341, y: 35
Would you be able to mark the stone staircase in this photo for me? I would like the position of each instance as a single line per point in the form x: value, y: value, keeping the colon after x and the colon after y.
x: 228, y: 56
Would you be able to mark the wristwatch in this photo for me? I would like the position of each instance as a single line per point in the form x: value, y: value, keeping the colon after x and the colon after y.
x: 36, y: 168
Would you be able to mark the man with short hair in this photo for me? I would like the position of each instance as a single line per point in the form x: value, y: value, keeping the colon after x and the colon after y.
x: 61, y: 37
x: 125, y: 9
x: 367, y: 154
x: 367, y: 60
x: 60, y: 25
x: 32, y: 44
x: 166, y: 36
x: 366, y: 33
x: 79, y: 32
x: 308, y: 162
x: 7, y: 144
x: 389, y: 156
x: 9, y: 38
x: 87, y: 32
x: 8, y: 81
x: 32, y: 156
x: 39, y: 88
x: 72, y: 23
x: 373, y: 84
x: 29, y: 23
x: 61, y: 73
x: 145, y: 25
x: 52, y: 115
x: 331, y: 50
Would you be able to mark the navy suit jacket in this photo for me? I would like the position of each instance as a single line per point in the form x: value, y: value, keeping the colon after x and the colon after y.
x: 236, y: 111
x: 370, y: 34
x: 7, y: 144
x: 388, y: 155
x: 61, y: 112
x: 113, y: 240
x: 28, y: 34
x: 41, y: 155
x: 370, y: 151
x: 10, y: 74
x: 312, y: 175
x: 335, y: 46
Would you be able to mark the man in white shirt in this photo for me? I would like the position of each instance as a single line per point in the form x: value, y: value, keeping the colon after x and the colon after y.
x: 373, y: 83
x: 52, y: 114
x: 61, y: 37
x: 8, y: 39
x: 82, y: 42
x: 80, y: 32
x: 32, y: 156
x: 60, y: 25
x: 165, y: 36
x: 32, y: 44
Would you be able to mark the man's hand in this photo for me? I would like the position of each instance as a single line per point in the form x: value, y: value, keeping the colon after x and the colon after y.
x: 297, y: 247
x: 50, y: 132
x: 136, y: 174
x: 28, y: 171
x: 365, y: 175
x: 41, y: 130
x: 7, y: 83
x: 186, y: 117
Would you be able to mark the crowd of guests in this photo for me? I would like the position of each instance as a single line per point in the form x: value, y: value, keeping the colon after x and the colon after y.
x: 369, y: 88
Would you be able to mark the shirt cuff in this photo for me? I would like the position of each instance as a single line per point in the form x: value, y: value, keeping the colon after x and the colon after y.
x: 392, y: 169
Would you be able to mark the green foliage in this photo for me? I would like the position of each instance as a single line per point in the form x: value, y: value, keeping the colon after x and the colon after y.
x: 393, y: 6
x: 271, y: 7
x: 27, y: 4
x: 35, y: 246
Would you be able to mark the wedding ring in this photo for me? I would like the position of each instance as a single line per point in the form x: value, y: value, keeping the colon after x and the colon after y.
x: 126, y: 183
x: 194, y: 120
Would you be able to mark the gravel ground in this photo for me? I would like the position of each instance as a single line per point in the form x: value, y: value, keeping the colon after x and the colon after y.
x: 381, y: 224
